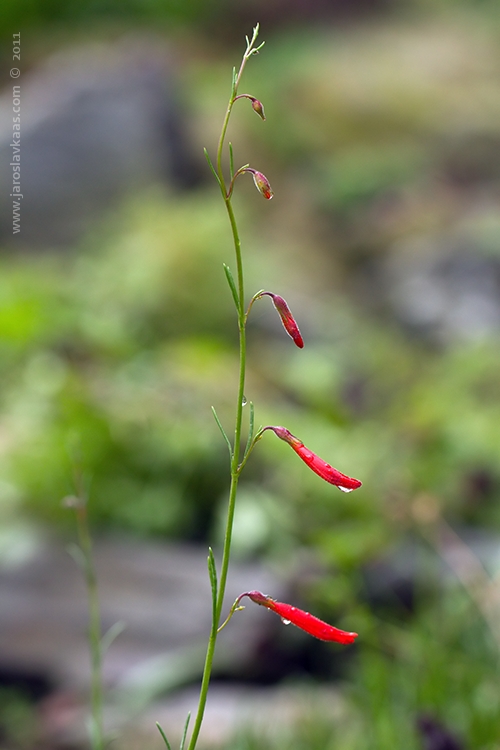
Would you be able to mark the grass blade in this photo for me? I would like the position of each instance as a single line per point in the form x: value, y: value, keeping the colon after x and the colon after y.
x: 111, y: 635
x: 184, y: 734
x: 167, y: 743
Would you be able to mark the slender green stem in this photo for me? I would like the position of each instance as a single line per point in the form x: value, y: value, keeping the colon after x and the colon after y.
x: 251, y: 303
x: 97, y: 734
x: 236, y: 450
x: 251, y: 445
x: 235, y: 608
x: 250, y: 50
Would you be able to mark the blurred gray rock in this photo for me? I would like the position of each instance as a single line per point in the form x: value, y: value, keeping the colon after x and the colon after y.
x: 97, y: 123
x: 270, y: 714
x: 160, y: 593
x: 444, y: 288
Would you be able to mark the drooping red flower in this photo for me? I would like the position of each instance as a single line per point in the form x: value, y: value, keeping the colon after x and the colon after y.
x: 287, y: 318
x: 303, y: 620
x: 320, y: 467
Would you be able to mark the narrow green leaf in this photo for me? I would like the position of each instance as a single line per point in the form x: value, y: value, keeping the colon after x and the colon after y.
x: 212, y: 572
x: 232, y: 286
x: 231, y: 160
x: 167, y: 743
x: 221, y: 428
x: 207, y: 157
x: 78, y: 555
x: 250, y: 429
x: 184, y: 734
x: 111, y: 635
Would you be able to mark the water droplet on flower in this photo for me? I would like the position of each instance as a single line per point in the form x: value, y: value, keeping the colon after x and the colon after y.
x: 285, y: 622
x: 244, y: 401
x: 344, y: 489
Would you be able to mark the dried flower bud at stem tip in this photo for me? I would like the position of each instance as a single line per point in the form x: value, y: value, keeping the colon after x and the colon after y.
x: 315, y: 463
x: 287, y: 318
x: 303, y: 620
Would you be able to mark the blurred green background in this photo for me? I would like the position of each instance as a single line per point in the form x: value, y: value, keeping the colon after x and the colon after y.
x: 382, y: 145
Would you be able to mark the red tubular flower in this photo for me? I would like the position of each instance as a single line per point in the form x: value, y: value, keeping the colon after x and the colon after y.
x: 320, y: 467
x: 303, y: 620
x: 287, y: 318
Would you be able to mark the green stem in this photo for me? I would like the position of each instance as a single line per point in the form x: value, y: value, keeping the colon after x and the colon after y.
x: 235, y: 457
x: 235, y: 471
x: 97, y: 735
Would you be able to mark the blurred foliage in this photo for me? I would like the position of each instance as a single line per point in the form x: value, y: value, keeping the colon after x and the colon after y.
x: 111, y: 356
x: 441, y: 670
x: 17, y: 721
x: 216, y: 15
x: 36, y: 14
x: 99, y: 366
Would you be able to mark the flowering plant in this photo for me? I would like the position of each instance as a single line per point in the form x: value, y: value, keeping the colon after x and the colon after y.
x: 238, y: 454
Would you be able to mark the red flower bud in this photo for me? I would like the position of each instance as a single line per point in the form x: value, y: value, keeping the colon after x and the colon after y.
x: 257, y: 107
x: 287, y: 318
x: 303, y: 620
x: 261, y: 183
x: 256, y: 104
x: 320, y: 467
